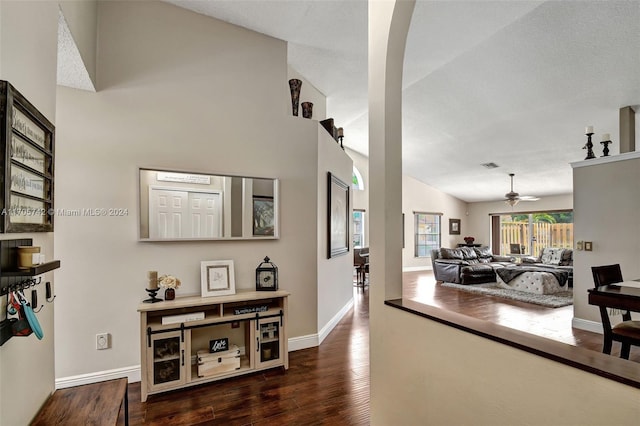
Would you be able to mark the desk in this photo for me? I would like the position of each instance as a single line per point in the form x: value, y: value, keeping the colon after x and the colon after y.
x: 618, y: 296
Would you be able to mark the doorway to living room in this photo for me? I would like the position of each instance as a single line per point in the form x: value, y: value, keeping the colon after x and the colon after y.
x: 526, y: 234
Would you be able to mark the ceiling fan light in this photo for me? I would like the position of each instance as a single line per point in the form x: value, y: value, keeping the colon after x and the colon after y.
x: 512, y: 202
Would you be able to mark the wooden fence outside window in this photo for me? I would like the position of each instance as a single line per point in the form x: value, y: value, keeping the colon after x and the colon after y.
x: 545, y: 235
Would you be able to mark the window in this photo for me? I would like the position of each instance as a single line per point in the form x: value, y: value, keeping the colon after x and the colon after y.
x: 358, y: 229
x: 427, y: 233
x: 529, y: 233
x: 357, y: 181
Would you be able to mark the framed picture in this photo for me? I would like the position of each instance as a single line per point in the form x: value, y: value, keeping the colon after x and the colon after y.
x: 454, y: 226
x: 263, y: 216
x: 217, y: 278
x: 26, y: 147
x: 338, y: 217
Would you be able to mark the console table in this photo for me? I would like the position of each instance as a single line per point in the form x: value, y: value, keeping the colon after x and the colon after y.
x: 173, y: 332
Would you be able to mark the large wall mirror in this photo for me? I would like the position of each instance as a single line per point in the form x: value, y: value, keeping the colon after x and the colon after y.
x: 177, y: 205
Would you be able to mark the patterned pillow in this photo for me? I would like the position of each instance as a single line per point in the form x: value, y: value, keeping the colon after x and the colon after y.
x: 552, y: 256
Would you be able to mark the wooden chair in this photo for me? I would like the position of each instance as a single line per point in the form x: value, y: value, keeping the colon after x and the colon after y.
x: 626, y: 332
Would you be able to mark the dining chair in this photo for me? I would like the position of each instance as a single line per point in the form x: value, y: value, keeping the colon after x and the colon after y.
x: 626, y: 332
x: 361, y: 263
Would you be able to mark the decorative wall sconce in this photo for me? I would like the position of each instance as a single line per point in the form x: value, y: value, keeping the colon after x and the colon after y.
x: 341, y: 136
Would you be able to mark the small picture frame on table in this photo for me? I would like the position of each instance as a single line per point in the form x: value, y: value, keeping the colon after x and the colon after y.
x: 217, y: 278
x: 454, y: 226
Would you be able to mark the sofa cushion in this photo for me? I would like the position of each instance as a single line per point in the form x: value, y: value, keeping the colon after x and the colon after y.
x: 478, y: 267
x: 551, y: 256
x: 449, y: 253
x: 469, y: 254
x: 483, y: 253
x: 567, y: 258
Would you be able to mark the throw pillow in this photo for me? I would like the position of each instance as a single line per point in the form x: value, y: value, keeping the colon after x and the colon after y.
x: 552, y: 256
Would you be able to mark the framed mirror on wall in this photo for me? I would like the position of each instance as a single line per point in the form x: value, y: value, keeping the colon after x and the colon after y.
x: 179, y: 205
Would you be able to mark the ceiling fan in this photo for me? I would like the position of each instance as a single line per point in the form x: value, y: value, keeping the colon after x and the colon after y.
x: 512, y: 198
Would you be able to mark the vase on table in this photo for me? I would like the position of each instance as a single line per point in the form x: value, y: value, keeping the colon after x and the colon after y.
x: 295, y: 85
x: 169, y: 294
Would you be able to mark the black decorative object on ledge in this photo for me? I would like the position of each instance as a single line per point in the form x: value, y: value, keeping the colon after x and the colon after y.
x: 295, y: 85
x: 307, y: 109
x: 267, y: 276
x: 606, y: 140
x: 589, y: 145
x: 340, y: 133
x: 152, y: 295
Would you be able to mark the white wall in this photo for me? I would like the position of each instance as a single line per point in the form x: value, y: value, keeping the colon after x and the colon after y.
x: 607, y: 201
x: 28, y: 34
x: 335, y: 283
x: 479, y: 221
x: 420, y: 197
x: 449, y: 377
x: 190, y: 98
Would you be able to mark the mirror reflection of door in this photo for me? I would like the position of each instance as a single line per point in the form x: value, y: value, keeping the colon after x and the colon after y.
x: 184, y: 214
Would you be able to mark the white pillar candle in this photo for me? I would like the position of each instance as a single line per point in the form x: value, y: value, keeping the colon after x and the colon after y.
x: 152, y: 276
x: 588, y: 129
x: 606, y: 137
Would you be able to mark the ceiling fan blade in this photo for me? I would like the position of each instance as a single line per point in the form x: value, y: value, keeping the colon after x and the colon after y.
x: 529, y: 198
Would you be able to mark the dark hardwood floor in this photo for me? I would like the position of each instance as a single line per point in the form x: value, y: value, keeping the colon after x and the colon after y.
x: 329, y: 385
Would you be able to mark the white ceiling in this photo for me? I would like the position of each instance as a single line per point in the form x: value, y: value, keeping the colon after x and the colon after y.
x: 509, y: 82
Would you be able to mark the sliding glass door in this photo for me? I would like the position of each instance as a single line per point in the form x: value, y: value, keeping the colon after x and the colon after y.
x: 529, y: 233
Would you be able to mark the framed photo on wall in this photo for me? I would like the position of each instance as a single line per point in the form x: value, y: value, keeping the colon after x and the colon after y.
x: 217, y: 278
x: 338, y: 217
x: 454, y: 226
x: 263, y: 216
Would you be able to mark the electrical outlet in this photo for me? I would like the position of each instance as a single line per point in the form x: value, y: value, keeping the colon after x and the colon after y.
x: 102, y: 341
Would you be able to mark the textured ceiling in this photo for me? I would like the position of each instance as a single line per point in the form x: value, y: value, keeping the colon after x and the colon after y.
x: 509, y: 82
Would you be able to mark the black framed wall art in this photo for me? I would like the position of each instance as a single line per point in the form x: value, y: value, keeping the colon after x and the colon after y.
x: 454, y: 226
x: 27, y: 144
x: 338, y: 217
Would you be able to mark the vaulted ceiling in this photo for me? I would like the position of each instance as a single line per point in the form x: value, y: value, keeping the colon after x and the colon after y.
x: 509, y: 82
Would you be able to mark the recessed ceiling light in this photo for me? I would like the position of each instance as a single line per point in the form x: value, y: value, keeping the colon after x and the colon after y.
x: 490, y: 165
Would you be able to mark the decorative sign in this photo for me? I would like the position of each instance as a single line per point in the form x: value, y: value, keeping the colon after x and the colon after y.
x: 26, y: 182
x: 27, y: 127
x: 27, y: 167
x: 250, y: 309
x: 218, y: 345
x: 24, y: 153
x: 184, y: 178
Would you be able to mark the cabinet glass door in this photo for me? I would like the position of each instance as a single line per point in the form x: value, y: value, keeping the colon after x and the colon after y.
x: 269, y: 342
x: 166, y: 359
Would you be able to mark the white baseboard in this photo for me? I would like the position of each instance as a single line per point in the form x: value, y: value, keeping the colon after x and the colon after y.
x: 133, y: 373
x: 583, y: 324
x: 324, y: 332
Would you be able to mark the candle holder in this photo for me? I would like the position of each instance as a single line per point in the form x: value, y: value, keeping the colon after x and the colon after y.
x: 589, y: 147
x: 152, y: 292
x: 341, y: 136
x: 605, y: 151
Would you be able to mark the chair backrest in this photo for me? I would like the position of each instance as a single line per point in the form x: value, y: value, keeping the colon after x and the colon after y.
x: 359, y: 260
x: 607, y: 274
x: 515, y: 249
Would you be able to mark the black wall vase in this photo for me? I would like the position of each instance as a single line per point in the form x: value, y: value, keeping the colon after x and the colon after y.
x: 295, y: 85
x: 307, y: 109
